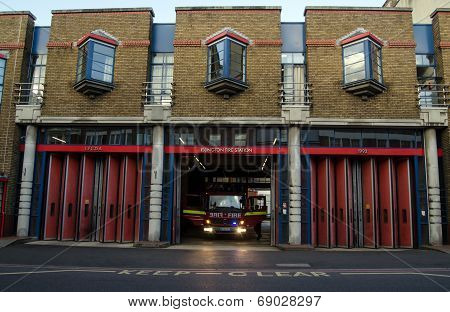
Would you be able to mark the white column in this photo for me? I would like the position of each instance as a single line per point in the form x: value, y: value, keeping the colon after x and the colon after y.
x: 26, y: 187
x: 154, y: 228
x: 294, y: 186
x: 434, y: 199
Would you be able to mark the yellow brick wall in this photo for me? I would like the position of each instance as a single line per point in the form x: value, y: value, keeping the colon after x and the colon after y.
x: 130, y: 70
x: 17, y: 30
x: 325, y: 70
x: 263, y: 65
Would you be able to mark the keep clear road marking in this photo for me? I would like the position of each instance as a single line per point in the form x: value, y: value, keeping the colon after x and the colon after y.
x: 231, y: 273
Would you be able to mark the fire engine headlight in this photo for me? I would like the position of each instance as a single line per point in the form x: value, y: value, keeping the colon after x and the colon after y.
x: 208, y: 222
x: 241, y: 230
x: 242, y: 222
x: 208, y: 229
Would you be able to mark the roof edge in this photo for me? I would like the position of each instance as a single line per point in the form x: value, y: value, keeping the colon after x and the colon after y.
x: 106, y: 10
x: 5, y: 13
x: 369, y: 9
x: 211, y: 8
x: 439, y: 10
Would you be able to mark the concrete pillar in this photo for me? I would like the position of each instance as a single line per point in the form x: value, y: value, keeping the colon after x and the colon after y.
x: 154, y: 228
x: 26, y: 187
x: 294, y: 186
x: 434, y: 199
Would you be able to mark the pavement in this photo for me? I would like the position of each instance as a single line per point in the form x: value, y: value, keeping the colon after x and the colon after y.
x: 43, y: 267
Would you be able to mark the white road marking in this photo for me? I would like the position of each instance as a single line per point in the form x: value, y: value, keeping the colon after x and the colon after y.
x: 208, y: 273
x: 293, y: 265
x: 395, y: 273
x: 54, y: 271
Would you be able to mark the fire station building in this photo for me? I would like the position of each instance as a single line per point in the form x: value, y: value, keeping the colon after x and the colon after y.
x: 112, y: 127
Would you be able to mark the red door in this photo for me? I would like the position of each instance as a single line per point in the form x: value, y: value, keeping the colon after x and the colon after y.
x: 332, y: 201
x: 138, y: 199
x: 70, y: 202
x: 313, y: 170
x: 130, y: 192
x: 385, y: 197
x: 368, y: 209
x: 86, y: 198
x: 53, y: 201
x: 404, y: 217
x: 112, y: 195
x: 342, y: 207
x: 322, y: 201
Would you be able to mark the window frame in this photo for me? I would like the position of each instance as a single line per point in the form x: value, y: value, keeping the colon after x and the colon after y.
x: 159, y: 96
x: 368, y: 62
x: 2, y: 80
x: 227, y: 41
x: 88, y: 58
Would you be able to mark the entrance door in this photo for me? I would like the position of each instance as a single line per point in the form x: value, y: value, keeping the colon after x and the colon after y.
x: 404, y: 210
x: 97, y: 200
x: 55, y: 179
x: 70, y: 197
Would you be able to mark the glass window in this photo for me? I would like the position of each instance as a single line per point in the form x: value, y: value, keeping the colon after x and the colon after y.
x: 240, y: 139
x: 347, y: 138
x: 161, y: 78
x: 38, y: 66
x: 2, y: 78
x: 96, y: 62
x: 184, y: 138
x: 226, y: 59
x: 293, y: 78
x: 362, y: 61
x: 215, y: 139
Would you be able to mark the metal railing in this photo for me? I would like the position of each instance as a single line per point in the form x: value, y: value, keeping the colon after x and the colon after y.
x: 295, y: 93
x: 433, y: 95
x: 28, y: 94
x: 157, y: 93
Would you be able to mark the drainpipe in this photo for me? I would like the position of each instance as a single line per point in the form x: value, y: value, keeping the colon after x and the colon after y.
x: 26, y: 186
x: 433, y: 188
x: 294, y: 186
x: 154, y: 229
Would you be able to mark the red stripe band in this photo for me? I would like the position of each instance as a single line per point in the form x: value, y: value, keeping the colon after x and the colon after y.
x: 233, y: 150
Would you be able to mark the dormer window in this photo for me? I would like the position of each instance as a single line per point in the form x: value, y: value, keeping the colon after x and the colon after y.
x: 227, y: 53
x: 362, y: 62
x: 95, y: 67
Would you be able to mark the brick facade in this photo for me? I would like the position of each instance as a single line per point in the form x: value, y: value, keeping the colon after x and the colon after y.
x: 324, y: 61
x: 441, y: 31
x: 15, y: 42
x: 263, y: 63
x: 131, y: 28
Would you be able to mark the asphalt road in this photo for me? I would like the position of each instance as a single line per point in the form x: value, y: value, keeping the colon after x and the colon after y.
x: 57, y: 268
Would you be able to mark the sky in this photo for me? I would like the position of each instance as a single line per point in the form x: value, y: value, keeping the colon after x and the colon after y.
x: 292, y: 10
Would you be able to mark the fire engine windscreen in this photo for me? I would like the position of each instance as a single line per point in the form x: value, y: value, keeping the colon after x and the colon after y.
x: 224, y: 201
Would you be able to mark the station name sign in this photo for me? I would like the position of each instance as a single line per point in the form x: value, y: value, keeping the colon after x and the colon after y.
x: 228, y: 150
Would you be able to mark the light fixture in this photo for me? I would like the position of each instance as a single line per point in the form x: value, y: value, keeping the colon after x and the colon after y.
x: 59, y: 140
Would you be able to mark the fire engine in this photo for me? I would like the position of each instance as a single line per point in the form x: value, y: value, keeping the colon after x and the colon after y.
x: 226, y: 212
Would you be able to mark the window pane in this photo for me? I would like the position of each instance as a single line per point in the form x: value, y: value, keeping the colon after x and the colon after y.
x: 240, y: 139
x: 101, y: 76
x: 354, y: 49
x: 376, y: 62
x: 100, y: 48
x: 216, y: 60
x: 214, y: 139
x: 101, y: 58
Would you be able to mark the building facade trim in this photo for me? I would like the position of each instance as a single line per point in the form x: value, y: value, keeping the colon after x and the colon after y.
x: 187, y: 43
x: 12, y: 45
x: 332, y: 43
